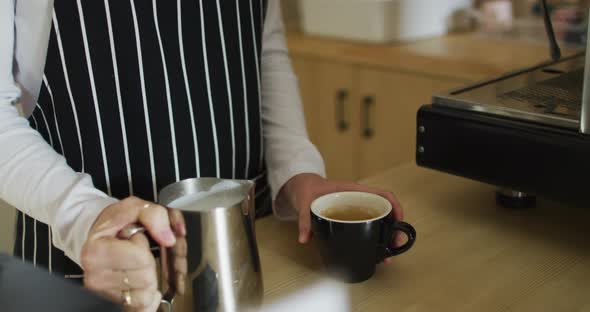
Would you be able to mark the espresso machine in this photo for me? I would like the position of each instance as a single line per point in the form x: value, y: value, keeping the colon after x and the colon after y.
x: 527, y: 132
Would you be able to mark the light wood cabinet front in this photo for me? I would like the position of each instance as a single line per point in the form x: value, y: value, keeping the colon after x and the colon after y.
x: 363, y: 120
x: 335, y: 101
x: 389, y: 103
x: 303, y: 69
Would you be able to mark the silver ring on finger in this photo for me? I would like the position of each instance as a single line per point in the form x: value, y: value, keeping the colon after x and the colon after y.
x: 126, y: 297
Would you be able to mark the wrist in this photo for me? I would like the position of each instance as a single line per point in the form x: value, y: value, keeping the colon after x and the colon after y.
x: 285, y: 201
x: 296, y: 185
x: 300, y: 181
x: 79, y: 229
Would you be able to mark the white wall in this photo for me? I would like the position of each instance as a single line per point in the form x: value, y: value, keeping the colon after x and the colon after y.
x: 7, y: 220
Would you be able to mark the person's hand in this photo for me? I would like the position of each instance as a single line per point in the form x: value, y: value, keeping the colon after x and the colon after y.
x: 301, y: 190
x: 115, y: 267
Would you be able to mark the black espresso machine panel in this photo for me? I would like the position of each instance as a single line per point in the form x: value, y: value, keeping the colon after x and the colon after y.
x: 526, y: 132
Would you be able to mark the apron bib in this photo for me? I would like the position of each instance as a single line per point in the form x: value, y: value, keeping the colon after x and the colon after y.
x: 140, y: 94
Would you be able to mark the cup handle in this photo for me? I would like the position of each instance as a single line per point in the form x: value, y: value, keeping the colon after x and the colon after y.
x: 391, y: 228
x: 127, y: 233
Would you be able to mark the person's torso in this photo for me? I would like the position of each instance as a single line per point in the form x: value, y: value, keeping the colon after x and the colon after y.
x: 140, y: 94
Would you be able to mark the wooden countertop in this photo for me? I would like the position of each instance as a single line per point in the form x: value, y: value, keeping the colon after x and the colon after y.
x: 469, y: 57
x: 470, y: 255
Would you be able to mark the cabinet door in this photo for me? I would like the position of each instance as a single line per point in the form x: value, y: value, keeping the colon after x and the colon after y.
x: 303, y: 69
x: 389, y: 104
x: 334, y: 98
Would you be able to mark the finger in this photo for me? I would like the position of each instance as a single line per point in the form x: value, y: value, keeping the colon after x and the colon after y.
x: 115, y: 254
x: 397, y: 210
x: 177, y: 283
x: 121, y: 280
x: 157, y: 223
x: 400, y: 239
x: 140, y: 298
x: 398, y: 215
x: 180, y: 268
x: 304, y: 221
x: 177, y: 222
x: 113, y: 218
x: 117, y: 295
x: 180, y: 249
x: 180, y: 283
x: 102, y: 280
x: 177, y: 255
x: 180, y: 265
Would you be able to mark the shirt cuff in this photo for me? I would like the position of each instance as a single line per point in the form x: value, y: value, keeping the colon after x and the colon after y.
x: 307, y: 160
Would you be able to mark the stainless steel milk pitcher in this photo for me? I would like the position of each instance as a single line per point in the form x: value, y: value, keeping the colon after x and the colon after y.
x: 222, y: 264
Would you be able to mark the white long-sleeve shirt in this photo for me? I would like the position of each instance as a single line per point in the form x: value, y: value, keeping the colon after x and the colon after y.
x: 37, y: 181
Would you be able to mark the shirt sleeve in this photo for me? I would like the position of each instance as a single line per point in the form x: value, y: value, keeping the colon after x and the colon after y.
x: 33, y: 177
x: 288, y: 150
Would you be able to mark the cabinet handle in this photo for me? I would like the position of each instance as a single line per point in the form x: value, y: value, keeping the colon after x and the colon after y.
x: 368, y: 131
x: 341, y: 97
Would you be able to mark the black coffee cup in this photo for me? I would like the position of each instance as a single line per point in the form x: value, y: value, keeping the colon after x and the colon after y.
x: 354, y: 231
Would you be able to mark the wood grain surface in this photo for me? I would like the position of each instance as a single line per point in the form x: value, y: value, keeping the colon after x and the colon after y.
x: 470, y: 255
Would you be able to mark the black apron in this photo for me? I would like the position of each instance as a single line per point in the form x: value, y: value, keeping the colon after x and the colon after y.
x: 140, y: 94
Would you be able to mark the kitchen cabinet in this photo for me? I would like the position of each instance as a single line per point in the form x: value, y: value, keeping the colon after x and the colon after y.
x: 362, y: 119
x: 327, y: 90
x: 303, y: 69
x: 334, y: 101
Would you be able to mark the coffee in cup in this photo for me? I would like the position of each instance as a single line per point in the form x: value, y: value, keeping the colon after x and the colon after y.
x: 354, y: 231
x: 350, y: 213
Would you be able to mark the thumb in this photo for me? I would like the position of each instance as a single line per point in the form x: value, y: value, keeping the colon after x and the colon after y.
x: 304, y: 222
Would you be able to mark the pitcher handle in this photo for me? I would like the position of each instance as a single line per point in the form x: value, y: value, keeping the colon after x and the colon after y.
x: 167, y: 299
